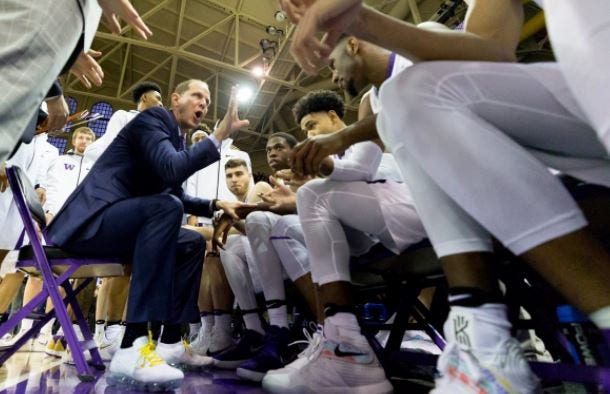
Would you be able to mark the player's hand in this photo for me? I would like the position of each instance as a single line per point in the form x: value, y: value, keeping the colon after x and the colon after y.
x: 3, y: 178
x: 58, y: 113
x: 87, y: 70
x: 282, y: 200
x: 42, y: 195
x: 295, y: 9
x: 331, y: 16
x: 113, y: 9
x: 292, y: 180
x: 244, y: 210
x: 308, y: 155
x: 221, y: 231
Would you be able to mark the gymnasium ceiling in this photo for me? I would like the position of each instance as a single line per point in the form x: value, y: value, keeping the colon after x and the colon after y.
x: 218, y: 42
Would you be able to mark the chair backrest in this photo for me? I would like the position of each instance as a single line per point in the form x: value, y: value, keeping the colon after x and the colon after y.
x: 25, y: 197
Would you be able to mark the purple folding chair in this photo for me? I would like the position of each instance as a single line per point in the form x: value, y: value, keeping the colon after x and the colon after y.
x: 55, y: 267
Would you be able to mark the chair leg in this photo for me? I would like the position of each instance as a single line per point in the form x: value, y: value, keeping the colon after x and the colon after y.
x: 421, y: 315
x: 61, y: 312
x: 15, y: 319
x: 22, y: 313
x: 405, y: 306
x: 82, y: 323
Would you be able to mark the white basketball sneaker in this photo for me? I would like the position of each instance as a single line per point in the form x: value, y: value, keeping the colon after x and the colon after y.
x: 110, y: 341
x: 462, y: 373
x: 219, y: 340
x: 278, y: 379
x: 346, y: 364
x: 140, y: 368
x: 180, y: 355
x: 201, y: 343
x: 482, y: 357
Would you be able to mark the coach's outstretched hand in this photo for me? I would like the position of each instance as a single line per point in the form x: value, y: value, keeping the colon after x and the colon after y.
x: 230, y: 207
x: 230, y: 123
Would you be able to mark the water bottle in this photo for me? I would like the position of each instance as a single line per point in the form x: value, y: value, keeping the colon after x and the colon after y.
x: 582, y: 333
x: 375, y: 312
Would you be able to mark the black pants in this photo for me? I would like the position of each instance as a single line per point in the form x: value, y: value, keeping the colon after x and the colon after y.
x: 166, y: 258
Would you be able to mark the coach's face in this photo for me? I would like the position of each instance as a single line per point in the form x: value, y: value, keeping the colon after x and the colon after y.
x: 318, y: 123
x: 191, y: 106
x: 347, y: 67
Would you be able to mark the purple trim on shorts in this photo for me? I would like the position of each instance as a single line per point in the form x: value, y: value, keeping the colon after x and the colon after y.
x: 388, y: 72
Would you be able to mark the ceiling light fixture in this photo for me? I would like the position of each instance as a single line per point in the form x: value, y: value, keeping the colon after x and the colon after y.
x: 244, y: 94
x: 268, y: 48
x: 280, y: 16
x: 274, y: 31
x: 258, y: 71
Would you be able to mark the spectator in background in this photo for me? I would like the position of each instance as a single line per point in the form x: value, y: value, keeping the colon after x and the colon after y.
x: 209, y: 183
x: 67, y: 171
x: 145, y: 95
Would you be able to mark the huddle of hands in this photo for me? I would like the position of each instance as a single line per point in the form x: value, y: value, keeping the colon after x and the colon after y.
x: 282, y: 200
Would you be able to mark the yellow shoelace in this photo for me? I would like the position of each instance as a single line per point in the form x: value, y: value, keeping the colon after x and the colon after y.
x: 148, y: 354
x: 187, y: 346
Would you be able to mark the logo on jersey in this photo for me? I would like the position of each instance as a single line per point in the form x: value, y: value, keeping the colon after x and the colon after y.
x: 69, y: 166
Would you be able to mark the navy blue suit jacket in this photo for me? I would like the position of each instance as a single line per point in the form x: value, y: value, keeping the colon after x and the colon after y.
x: 143, y: 160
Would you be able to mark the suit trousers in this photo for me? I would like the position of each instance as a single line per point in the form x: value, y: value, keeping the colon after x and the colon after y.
x: 166, y: 259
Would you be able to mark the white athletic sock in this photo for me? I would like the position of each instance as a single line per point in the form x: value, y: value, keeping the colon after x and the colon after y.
x: 223, y: 321
x: 336, y: 325
x: 253, y: 322
x: 479, y: 329
x: 601, y: 317
x: 77, y: 330
x: 113, y: 332
x: 278, y: 316
x: 99, y: 329
x: 207, y: 322
x: 194, y: 329
x: 48, y: 328
x: 26, y: 324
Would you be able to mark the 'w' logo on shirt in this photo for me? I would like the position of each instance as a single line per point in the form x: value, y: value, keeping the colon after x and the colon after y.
x: 69, y: 166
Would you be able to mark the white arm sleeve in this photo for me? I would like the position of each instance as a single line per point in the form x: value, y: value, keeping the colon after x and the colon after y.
x: 360, y: 163
x: 116, y: 123
x: 49, y: 159
x: 53, y: 184
x: 191, y: 186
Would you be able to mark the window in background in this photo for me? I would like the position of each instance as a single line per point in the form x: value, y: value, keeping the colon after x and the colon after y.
x: 61, y: 142
x: 99, y: 126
